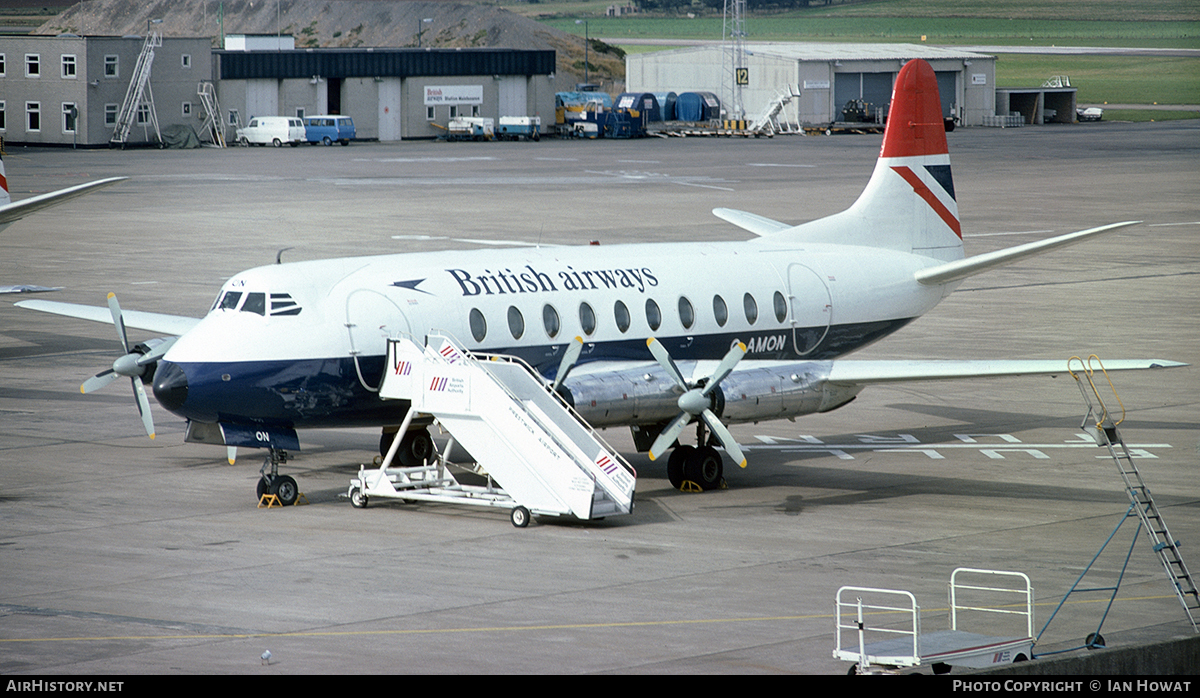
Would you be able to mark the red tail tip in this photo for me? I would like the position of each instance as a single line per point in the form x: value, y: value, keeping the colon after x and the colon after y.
x: 914, y: 124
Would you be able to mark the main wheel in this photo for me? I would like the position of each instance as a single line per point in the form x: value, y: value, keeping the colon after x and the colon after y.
x: 679, y: 456
x: 358, y: 500
x: 264, y: 487
x: 705, y: 467
x: 520, y: 517
x: 286, y: 489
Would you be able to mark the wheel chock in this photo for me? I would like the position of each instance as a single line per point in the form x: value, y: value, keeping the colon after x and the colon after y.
x: 689, y: 486
x: 268, y: 501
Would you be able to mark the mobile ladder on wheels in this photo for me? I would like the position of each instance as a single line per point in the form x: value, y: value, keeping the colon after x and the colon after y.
x: 1101, y: 425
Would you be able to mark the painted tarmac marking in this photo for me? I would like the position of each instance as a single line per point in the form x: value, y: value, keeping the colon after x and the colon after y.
x: 907, y: 443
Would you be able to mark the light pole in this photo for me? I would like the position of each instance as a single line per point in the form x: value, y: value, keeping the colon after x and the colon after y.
x: 419, y: 30
x: 586, y: 47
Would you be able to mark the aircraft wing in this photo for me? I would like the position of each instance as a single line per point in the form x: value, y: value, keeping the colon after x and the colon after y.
x: 153, y: 322
x: 759, y: 225
x: 20, y: 209
x: 852, y: 372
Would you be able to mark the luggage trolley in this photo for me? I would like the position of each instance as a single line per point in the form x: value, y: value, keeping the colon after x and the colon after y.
x: 906, y: 646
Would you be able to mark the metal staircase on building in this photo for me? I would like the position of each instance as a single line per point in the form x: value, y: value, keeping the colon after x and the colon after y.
x: 138, y: 94
x: 1101, y: 426
x: 540, y: 457
x: 213, y: 127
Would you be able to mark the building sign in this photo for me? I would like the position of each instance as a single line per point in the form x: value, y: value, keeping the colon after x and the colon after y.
x: 816, y: 84
x: 743, y: 76
x: 978, y: 78
x: 453, y: 94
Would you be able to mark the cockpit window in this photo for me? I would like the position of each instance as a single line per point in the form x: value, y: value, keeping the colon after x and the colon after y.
x: 230, y: 301
x: 255, y: 303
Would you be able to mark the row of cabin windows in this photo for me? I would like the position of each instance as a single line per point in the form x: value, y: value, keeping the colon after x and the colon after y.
x: 623, y: 318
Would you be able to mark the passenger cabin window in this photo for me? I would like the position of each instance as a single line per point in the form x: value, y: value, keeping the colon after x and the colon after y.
x: 621, y: 314
x: 587, y: 318
x: 780, y: 307
x: 653, y: 314
x: 751, y: 307
x: 720, y: 311
x: 478, y: 325
x: 516, y: 322
x: 687, y: 315
x: 550, y: 320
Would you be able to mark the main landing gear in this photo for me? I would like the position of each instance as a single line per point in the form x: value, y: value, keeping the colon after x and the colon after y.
x: 696, y: 468
x: 415, y: 448
x: 282, y: 486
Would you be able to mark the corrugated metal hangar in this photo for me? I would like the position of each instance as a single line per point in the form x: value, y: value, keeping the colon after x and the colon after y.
x: 828, y: 75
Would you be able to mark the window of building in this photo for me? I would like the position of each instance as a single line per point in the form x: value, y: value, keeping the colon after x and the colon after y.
x: 3, y: 66
x: 550, y: 320
x: 33, y: 65
x: 429, y: 113
x: 299, y: 112
x: 143, y: 115
x: 516, y: 322
x: 780, y: 307
x: 112, y: 66
x: 653, y: 314
x: 110, y: 115
x: 720, y: 311
x: 233, y: 117
x: 751, y: 307
x: 187, y: 109
x: 475, y: 110
x: 33, y: 116
x: 185, y: 61
x: 69, y: 116
x: 687, y: 314
x: 68, y: 67
x: 3, y: 121
x: 587, y: 318
x: 621, y: 314
x: 478, y: 325
x: 453, y: 111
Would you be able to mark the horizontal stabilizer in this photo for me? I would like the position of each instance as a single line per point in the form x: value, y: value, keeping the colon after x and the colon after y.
x: 750, y: 221
x: 152, y: 322
x: 871, y: 372
x: 24, y: 207
x: 961, y: 269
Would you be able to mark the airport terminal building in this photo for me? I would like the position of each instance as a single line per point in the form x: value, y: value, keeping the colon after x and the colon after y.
x: 828, y: 75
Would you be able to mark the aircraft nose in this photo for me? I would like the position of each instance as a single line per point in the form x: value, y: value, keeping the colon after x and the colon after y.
x: 170, y: 386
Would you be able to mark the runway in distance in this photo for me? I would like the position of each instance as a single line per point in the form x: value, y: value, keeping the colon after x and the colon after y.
x: 653, y: 336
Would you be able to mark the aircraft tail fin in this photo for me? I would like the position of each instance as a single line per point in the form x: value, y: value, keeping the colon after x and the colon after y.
x: 909, y: 203
x: 4, y: 198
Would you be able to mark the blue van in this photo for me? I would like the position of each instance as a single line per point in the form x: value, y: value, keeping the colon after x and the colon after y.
x: 327, y: 128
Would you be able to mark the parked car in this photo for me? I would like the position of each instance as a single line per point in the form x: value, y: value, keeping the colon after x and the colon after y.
x: 275, y: 130
x: 327, y: 128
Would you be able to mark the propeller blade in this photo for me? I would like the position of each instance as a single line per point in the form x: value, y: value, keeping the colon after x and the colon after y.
x: 143, y: 406
x: 668, y: 436
x: 726, y: 366
x: 118, y: 320
x: 231, y: 454
x: 664, y: 359
x: 724, y: 436
x: 98, y: 381
x: 570, y: 356
x: 156, y: 353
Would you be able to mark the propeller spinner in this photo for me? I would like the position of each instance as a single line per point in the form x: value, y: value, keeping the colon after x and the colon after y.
x: 135, y: 365
x: 696, y: 401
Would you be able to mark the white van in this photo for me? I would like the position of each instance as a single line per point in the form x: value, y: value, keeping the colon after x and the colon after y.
x: 275, y: 130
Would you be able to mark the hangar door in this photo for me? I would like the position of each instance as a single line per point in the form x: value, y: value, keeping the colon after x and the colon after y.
x: 876, y: 89
x: 513, y: 100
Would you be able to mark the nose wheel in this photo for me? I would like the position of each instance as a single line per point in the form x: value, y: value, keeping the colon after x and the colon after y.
x: 282, y: 486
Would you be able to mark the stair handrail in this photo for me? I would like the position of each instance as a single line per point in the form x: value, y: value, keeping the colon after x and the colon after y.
x: 1088, y: 372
